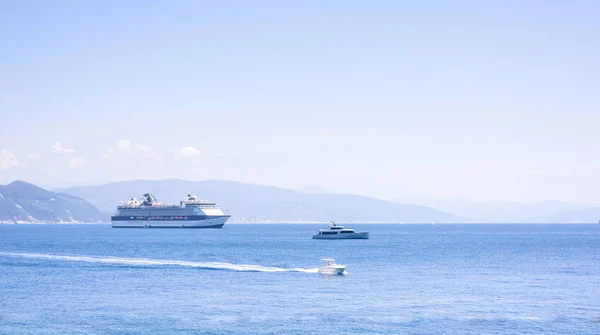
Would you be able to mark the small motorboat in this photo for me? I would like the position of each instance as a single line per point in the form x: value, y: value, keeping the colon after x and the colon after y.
x: 332, y: 268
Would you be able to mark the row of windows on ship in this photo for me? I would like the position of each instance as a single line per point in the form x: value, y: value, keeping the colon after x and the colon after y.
x: 158, y: 217
x: 335, y: 232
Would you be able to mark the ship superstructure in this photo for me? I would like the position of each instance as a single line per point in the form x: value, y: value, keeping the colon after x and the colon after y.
x: 149, y: 213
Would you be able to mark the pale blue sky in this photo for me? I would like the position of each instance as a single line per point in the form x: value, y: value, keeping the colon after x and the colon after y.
x: 483, y: 100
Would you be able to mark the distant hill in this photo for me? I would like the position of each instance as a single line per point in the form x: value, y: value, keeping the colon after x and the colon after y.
x: 259, y: 203
x: 504, y: 211
x: 24, y: 202
x: 587, y: 215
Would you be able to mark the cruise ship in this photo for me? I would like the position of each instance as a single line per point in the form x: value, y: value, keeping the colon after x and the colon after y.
x: 189, y: 213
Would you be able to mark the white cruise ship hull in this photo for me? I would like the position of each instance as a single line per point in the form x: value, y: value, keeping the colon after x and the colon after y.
x: 217, y: 222
x: 347, y: 236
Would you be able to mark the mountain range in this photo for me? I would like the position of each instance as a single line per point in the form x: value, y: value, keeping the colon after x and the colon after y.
x: 259, y: 203
x: 24, y: 202
x: 586, y: 215
x: 550, y: 211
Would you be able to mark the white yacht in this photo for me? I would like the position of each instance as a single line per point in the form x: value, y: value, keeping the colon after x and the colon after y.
x: 331, y: 268
x: 335, y: 232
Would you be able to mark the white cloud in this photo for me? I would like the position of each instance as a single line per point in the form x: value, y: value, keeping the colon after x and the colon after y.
x: 7, y: 159
x: 142, y: 147
x: 35, y: 156
x: 189, y: 151
x: 124, y: 144
x: 57, y: 148
x: 77, y: 162
x: 124, y: 154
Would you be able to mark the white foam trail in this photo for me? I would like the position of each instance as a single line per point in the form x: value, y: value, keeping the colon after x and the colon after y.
x: 159, y: 262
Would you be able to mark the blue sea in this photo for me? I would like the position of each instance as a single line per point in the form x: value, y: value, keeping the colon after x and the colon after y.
x: 262, y: 279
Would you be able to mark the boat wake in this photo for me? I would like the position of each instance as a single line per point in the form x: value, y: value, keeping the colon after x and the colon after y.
x: 145, y: 262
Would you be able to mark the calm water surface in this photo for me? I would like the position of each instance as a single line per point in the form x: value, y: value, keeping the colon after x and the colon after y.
x: 261, y: 279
